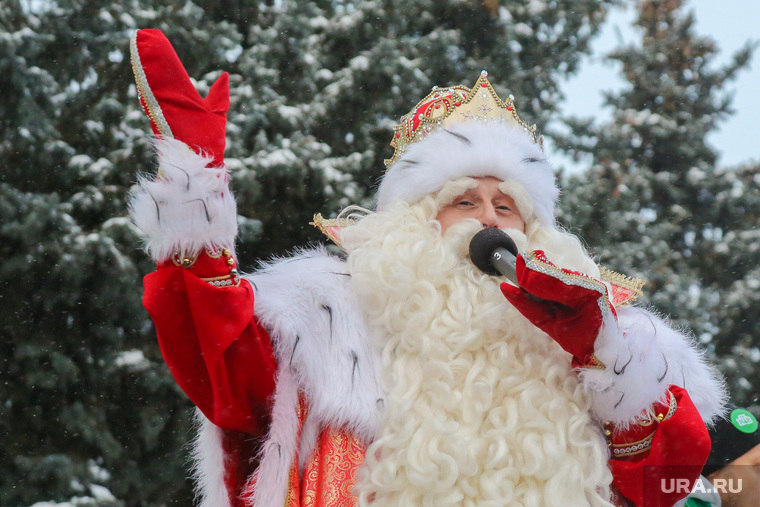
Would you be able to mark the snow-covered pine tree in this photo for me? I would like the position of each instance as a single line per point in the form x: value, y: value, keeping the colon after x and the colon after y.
x: 317, y: 86
x: 649, y: 204
x: 731, y: 266
x: 87, y: 407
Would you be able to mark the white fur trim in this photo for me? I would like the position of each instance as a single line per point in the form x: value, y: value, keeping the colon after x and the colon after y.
x: 318, y: 330
x: 208, y: 464
x: 309, y: 436
x: 187, y: 207
x: 643, y: 356
x: 494, y: 149
x: 279, y: 450
x: 326, y: 354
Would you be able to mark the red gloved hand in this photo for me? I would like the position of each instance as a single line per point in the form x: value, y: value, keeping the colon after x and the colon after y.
x: 175, y: 108
x: 567, y: 305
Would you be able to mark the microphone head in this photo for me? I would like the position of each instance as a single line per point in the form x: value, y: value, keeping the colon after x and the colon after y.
x: 484, y: 243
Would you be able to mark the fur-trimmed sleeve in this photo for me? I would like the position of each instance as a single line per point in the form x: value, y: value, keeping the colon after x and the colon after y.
x: 318, y: 329
x: 643, y: 355
x: 187, y: 207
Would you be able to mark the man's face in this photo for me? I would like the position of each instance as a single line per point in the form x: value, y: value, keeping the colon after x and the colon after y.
x: 485, y: 203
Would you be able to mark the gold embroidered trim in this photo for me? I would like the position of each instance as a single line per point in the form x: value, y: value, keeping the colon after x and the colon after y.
x: 325, y: 225
x: 632, y: 448
x: 214, y: 251
x: 144, y: 91
x: 537, y: 264
x: 594, y: 364
x: 293, y: 479
x: 632, y: 284
x: 671, y: 408
x: 454, y: 105
x: 627, y: 444
x: 216, y: 278
x: 223, y: 281
x: 291, y: 484
x: 185, y: 262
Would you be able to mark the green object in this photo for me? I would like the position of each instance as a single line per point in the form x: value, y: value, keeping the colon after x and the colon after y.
x: 743, y: 421
x: 696, y: 502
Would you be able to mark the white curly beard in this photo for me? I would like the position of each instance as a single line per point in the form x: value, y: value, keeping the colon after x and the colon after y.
x: 481, y: 409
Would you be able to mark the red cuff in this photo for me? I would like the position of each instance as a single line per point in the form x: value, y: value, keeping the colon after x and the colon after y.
x: 217, y: 267
x: 216, y: 350
x: 657, y: 463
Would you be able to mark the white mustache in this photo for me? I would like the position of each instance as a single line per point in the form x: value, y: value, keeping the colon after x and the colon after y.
x: 458, y: 236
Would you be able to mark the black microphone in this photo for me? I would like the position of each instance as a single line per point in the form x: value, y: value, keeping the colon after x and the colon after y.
x: 494, y: 253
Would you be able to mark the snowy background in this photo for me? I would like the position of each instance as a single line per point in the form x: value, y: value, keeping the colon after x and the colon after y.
x: 89, y: 414
x: 730, y: 24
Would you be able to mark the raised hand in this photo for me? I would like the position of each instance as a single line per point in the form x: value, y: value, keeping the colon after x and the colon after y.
x: 188, y: 208
x: 175, y: 108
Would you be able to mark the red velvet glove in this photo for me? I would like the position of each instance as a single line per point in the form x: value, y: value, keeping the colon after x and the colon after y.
x: 567, y: 305
x: 175, y: 108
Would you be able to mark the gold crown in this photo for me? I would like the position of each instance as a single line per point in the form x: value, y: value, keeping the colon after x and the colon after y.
x: 456, y: 105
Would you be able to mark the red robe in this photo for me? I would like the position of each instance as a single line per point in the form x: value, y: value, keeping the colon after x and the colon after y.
x: 223, y: 360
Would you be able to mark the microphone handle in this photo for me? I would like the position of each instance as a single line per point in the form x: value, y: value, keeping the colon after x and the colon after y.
x: 504, y: 262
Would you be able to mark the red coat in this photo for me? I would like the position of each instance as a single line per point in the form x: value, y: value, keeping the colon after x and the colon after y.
x: 223, y: 359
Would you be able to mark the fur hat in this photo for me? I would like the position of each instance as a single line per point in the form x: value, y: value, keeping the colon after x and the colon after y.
x: 476, y: 149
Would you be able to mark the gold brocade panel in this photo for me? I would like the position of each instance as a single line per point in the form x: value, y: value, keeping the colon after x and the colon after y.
x: 330, y: 474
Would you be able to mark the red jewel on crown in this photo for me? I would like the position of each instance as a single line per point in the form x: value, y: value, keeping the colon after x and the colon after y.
x: 456, y: 105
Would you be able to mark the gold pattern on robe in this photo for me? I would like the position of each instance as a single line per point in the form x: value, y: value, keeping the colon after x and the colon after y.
x: 330, y: 474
